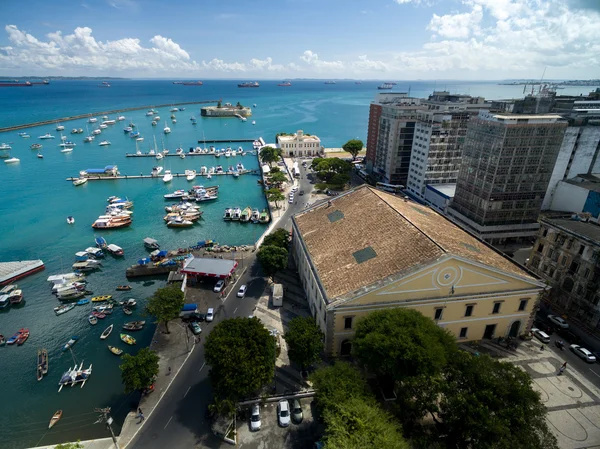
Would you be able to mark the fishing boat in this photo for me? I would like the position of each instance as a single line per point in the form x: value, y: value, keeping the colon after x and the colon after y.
x: 228, y: 213
x: 127, y: 339
x: 115, y: 250
x: 83, y: 302
x: 42, y: 364
x: 16, y: 296
x: 179, y: 222
x: 246, y: 213
x: 98, y: 315
x: 134, y: 325
x: 264, y: 216
x: 68, y: 345
x: 101, y: 242
x: 36, y: 146
x: 106, y: 332
x: 57, y: 415
x: 123, y: 288
x: 111, y: 222
x: 127, y: 311
x: 177, y: 194
x: 64, y: 308
x: 23, y: 337
x: 101, y: 298
x: 12, y: 340
x: 79, y: 181
x: 94, y: 252
x: 150, y: 243
x: 115, y: 350
x: 93, y: 320
x: 236, y: 214
x: 106, y: 309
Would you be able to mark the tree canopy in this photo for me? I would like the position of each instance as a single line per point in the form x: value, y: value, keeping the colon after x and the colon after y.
x: 353, y: 146
x: 488, y: 403
x: 241, y: 354
x: 166, y: 303
x: 332, y: 171
x: 274, y: 195
x: 279, y: 237
x: 75, y: 445
x: 272, y: 259
x: 277, y: 177
x: 336, y: 383
x: 269, y: 154
x: 138, y: 371
x: 304, y: 340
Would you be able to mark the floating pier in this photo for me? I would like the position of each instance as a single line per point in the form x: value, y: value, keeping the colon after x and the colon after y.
x: 12, y: 271
x: 186, y: 154
x: 227, y: 141
x: 136, y: 271
x: 160, y: 176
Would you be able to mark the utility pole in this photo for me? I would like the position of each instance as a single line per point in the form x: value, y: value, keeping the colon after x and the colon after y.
x: 104, y: 417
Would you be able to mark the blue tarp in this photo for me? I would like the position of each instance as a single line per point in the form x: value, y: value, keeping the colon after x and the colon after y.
x: 144, y: 261
x: 187, y: 307
x: 95, y: 170
x: 162, y: 253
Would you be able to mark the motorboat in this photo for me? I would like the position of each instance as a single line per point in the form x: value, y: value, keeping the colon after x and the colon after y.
x: 79, y: 181
x: 228, y: 214
x: 115, y: 250
x: 246, y: 213
x: 23, y: 337
x: 109, y: 122
x: 139, y: 139
x: 157, y: 118
x: 12, y: 160
x: 60, y: 127
x: 64, y: 308
x: 127, y: 129
x: 106, y: 332
x: 150, y: 243
x: 179, y: 222
x: 190, y: 175
x: 168, y: 177
x: 68, y: 345
x: 177, y: 194
x: 96, y: 132
x: 264, y: 216
x: 67, y: 150
x: 134, y: 135
x: 12, y: 340
x: 103, y: 126
x: 40, y: 156
x: 88, y: 139
x: 240, y: 167
x: 154, y: 123
x: 16, y: 296
x: 157, y: 170
x: 104, y: 143
x: 101, y: 242
x: 121, y: 118
x: 94, y: 252
x: 36, y: 146
x: 5, y: 146
x: 92, y: 120
x: 236, y: 214
x: 159, y: 156
x: 255, y: 217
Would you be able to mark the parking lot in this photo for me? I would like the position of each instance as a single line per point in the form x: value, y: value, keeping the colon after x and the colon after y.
x: 272, y: 435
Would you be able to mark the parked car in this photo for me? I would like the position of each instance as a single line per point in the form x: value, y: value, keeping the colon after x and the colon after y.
x: 242, y: 291
x: 283, y: 413
x: 558, y: 321
x: 219, y: 286
x: 541, y: 335
x: 210, y: 315
x: 583, y: 353
x: 255, y: 418
x: 196, y: 316
x: 195, y: 327
x: 297, y: 412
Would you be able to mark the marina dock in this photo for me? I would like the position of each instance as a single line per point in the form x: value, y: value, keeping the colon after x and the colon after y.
x: 227, y: 141
x: 136, y: 271
x: 175, y: 175
x: 173, y: 154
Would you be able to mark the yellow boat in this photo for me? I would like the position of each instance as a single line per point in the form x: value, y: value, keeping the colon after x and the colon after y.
x: 101, y: 298
x: 127, y: 339
x: 115, y: 351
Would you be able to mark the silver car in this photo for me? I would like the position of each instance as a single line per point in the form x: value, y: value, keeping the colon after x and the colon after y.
x: 283, y: 413
x: 255, y: 418
x: 583, y: 353
x: 297, y: 412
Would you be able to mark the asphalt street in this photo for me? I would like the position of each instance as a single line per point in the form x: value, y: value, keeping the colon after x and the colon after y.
x: 178, y: 420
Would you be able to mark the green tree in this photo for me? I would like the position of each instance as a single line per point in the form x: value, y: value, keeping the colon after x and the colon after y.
x: 274, y: 195
x: 336, y: 383
x: 353, y: 146
x: 305, y: 341
x: 241, y: 354
x: 166, y: 303
x: 138, y: 371
x: 75, y: 445
x: 357, y: 424
x: 339, y: 179
x: 269, y: 154
x: 272, y: 259
x: 278, y: 178
x: 488, y: 403
x: 279, y: 237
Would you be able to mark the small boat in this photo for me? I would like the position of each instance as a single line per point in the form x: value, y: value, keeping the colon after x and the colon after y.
x: 190, y: 175
x: 2, y: 340
x: 57, y: 415
x: 168, y: 177
x: 101, y: 242
x: 82, y: 302
x: 12, y: 160
x: 179, y: 222
x: 175, y: 195
x: 159, y: 156
x: 68, y: 345
x: 236, y: 214
x: 156, y: 170
x: 101, y: 298
x: 104, y: 143
x: 134, y: 325
x: 122, y: 288
x: 67, y: 150
x: 23, y: 337
x: 93, y: 320
x: 151, y: 243
x: 42, y: 363
x: 63, y: 308
x: 40, y: 156
x: 15, y: 297
x: 255, y: 216
x: 12, y: 340
x: 115, y: 250
x: 99, y: 315
x: 127, y: 339
x: 115, y: 350
x: 127, y: 311
x: 36, y: 146
x: 47, y: 136
x: 92, y: 120
x: 228, y: 214
x: 264, y: 216
x: 246, y: 213
x: 106, y: 332
x: 129, y: 303
x: 167, y: 130
x: 79, y: 181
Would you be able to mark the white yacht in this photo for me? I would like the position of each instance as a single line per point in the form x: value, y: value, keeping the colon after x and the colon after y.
x: 121, y: 118
x: 96, y: 132
x: 12, y: 160
x: 157, y: 118
x: 88, y: 139
x: 92, y: 120
x: 139, y: 139
x: 190, y: 175
x: 167, y: 130
x: 67, y: 150
x: 174, y: 120
x: 159, y: 156
x: 168, y: 177
x: 79, y: 181
x: 60, y: 127
x: 203, y: 170
x: 156, y: 170
x: 47, y: 136
x: 104, y: 143
x: 109, y: 122
x: 103, y: 126
x: 254, y: 122
x: 5, y: 146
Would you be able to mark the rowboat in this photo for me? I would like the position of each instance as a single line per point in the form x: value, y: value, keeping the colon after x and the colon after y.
x: 57, y: 415
x: 12, y: 340
x: 63, y: 308
x: 70, y: 343
x: 106, y: 332
x: 129, y: 303
x: 42, y: 363
x: 134, y: 325
x: 124, y: 287
x: 127, y: 339
x: 115, y: 350
x: 99, y: 315
x: 101, y: 298
x: 82, y: 302
x: 23, y: 337
x: 127, y: 311
x: 92, y: 320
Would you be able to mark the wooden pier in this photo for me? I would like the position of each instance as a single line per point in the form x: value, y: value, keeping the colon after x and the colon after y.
x: 160, y: 176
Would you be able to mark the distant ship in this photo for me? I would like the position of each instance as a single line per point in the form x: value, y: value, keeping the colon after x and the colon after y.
x: 104, y: 84
x: 285, y: 84
x: 249, y: 84
x: 192, y: 83
x: 357, y: 82
x: 385, y: 86
x: 329, y: 82
x: 15, y: 83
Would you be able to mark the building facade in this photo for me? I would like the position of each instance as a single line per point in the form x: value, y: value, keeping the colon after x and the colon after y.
x: 567, y: 255
x: 367, y: 250
x: 507, y: 163
x: 299, y: 144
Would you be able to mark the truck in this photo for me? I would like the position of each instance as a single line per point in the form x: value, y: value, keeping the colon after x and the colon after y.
x: 277, y: 295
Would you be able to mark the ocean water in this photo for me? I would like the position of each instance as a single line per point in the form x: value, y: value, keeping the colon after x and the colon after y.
x: 36, y: 199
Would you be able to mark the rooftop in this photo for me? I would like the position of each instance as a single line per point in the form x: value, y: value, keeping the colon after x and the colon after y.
x: 588, y: 230
x: 386, y: 235
x: 447, y: 190
x: 207, y: 266
x: 298, y: 135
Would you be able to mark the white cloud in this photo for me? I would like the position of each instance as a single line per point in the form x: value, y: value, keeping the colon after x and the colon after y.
x: 457, y: 26
x: 363, y: 64
x: 312, y: 59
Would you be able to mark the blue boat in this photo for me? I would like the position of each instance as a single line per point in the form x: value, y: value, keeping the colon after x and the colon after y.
x: 83, y: 301
x: 134, y: 134
x: 101, y: 242
x: 70, y: 343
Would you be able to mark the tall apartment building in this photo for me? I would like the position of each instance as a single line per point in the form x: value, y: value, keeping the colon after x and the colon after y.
x: 567, y: 255
x: 506, y: 167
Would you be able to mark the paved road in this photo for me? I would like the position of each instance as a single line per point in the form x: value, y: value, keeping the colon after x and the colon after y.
x: 178, y: 421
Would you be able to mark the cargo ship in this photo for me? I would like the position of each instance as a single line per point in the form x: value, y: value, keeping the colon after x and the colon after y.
x: 385, y: 86
x: 15, y: 84
x: 249, y: 84
x: 285, y: 84
x: 192, y: 83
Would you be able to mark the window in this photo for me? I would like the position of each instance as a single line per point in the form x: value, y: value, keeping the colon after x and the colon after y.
x: 586, y: 273
x: 563, y: 261
x: 348, y: 322
x: 540, y: 248
x: 463, y: 332
x: 469, y: 310
x: 438, y: 313
x: 581, y: 249
x: 523, y: 304
x: 496, y: 308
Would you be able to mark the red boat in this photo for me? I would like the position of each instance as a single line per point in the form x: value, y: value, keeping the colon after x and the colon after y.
x: 285, y: 84
x: 99, y: 315
x: 23, y: 337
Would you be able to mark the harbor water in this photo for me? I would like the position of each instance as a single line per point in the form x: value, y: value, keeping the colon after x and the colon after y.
x: 36, y: 200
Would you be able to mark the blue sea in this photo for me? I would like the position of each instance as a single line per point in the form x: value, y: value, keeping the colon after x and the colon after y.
x: 36, y: 199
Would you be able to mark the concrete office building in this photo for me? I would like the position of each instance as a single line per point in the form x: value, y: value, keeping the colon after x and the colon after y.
x: 507, y: 163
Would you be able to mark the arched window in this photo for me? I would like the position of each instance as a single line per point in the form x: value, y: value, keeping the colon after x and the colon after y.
x: 345, y: 348
x: 514, y: 329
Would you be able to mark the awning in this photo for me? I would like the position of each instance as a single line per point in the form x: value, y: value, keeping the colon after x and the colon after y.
x: 204, y: 266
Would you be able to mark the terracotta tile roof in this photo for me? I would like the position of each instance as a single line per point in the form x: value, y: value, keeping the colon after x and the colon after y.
x: 403, y: 236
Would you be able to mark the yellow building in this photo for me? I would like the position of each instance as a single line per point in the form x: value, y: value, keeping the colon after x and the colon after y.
x: 367, y: 250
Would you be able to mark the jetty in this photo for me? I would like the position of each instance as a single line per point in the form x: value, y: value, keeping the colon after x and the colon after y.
x: 175, y: 175
x: 113, y: 111
x: 136, y: 271
x: 12, y: 271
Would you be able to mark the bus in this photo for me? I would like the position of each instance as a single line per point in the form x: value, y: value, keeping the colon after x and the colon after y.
x: 391, y: 188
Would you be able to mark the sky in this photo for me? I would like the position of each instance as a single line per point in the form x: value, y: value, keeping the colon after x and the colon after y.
x: 286, y: 39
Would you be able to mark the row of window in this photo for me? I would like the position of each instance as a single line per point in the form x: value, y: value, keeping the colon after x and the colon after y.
x: 300, y: 145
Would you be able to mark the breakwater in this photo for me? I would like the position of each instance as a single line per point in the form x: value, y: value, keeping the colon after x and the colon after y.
x: 113, y: 111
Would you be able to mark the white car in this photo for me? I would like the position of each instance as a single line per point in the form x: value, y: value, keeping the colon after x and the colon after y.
x: 219, y: 286
x: 541, y: 335
x: 294, y: 188
x: 560, y: 322
x: 291, y: 200
x: 255, y: 418
x: 283, y: 413
x: 210, y: 314
x: 583, y: 353
x: 242, y: 291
